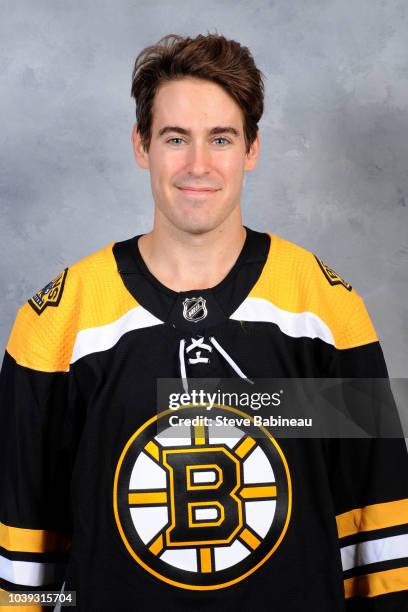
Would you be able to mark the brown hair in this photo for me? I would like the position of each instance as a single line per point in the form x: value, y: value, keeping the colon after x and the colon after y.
x: 210, y: 57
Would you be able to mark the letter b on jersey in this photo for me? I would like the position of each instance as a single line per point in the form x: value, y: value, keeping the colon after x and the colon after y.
x: 204, y: 505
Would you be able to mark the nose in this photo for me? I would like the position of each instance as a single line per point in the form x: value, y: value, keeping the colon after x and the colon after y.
x: 198, y: 160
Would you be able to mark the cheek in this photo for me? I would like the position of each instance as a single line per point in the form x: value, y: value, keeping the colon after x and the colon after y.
x: 232, y: 172
x: 170, y: 170
x: 160, y: 175
x: 231, y: 165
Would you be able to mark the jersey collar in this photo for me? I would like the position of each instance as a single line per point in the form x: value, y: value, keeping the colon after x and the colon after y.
x: 196, y: 310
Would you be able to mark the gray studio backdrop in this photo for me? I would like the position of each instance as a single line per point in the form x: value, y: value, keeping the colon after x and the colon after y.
x: 333, y: 173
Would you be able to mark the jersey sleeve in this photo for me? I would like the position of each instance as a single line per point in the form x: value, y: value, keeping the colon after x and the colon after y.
x: 369, y: 479
x: 39, y: 437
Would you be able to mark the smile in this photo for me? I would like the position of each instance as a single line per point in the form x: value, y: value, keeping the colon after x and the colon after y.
x: 194, y: 191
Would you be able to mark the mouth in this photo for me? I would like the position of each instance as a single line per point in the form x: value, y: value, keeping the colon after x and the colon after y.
x: 197, y: 190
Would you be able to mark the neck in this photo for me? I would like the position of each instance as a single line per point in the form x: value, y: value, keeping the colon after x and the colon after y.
x: 184, y: 261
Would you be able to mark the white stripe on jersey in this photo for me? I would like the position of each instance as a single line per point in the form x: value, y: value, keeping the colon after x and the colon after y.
x: 31, y: 573
x: 104, y: 337
x: 373, y: 551
x: 294, y: 324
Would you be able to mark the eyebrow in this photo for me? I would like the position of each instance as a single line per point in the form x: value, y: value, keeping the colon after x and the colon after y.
x: 215, y: 130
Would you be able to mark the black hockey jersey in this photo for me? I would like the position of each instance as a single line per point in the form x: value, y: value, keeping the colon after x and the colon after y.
x: 94, y: 497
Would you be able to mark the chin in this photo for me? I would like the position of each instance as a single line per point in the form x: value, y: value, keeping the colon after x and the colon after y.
x: 199, y: 221
x: 197, y: 227
x: 195, y: 223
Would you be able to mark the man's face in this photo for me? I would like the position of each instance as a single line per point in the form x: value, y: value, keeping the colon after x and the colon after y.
x: 197, y: 156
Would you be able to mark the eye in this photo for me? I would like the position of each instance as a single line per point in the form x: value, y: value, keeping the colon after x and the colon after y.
x: 177, y: 140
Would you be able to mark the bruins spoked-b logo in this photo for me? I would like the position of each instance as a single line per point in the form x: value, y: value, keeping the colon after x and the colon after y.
x: 202, y: 512
x: 50, y: 295
x: 194, y: 309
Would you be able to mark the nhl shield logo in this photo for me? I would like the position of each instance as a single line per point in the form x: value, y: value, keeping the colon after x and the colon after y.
x: 194, y: 309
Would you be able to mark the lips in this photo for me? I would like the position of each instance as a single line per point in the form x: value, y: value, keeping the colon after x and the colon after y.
x: 198, y: 189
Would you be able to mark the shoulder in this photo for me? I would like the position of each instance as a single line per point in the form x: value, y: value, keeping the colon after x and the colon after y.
x: 290, y: 262
x: 298, y: 281
x: 83, y: 295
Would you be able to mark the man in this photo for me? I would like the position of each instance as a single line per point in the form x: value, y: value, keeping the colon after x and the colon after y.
x: 190, y: 522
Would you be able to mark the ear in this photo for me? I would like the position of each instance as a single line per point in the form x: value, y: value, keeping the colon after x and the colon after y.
x: 141, y: 156
x: 252, y: 156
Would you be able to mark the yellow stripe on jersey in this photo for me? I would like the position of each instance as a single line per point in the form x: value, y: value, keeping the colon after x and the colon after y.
x: 32, y: 540
x: 293, y: 281
x: 375, y: 516
x: 378, y: 583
